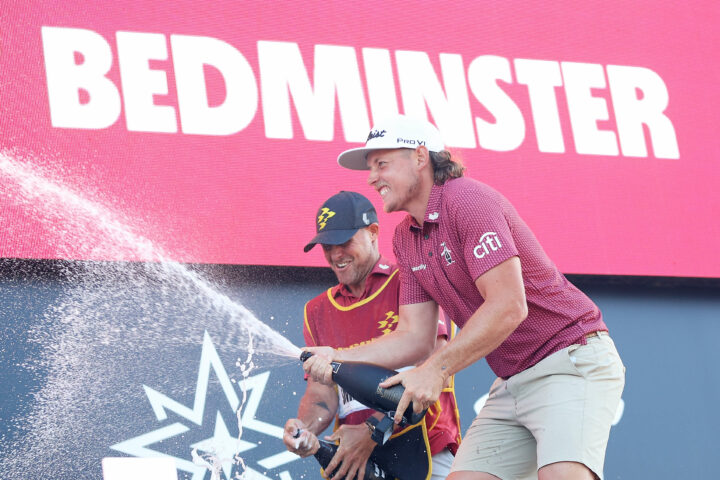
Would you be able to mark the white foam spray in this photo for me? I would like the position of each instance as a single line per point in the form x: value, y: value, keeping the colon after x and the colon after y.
x: 109, y: 315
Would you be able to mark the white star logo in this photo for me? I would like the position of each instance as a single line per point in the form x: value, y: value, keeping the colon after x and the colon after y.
x: 222, y: 444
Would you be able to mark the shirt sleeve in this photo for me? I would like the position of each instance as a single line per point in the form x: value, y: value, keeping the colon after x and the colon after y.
x: 483, y: 230
x: 410, y: 290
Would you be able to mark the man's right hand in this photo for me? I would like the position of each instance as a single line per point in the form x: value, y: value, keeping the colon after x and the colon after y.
x: 355, y: 448
x: 298, y: 439
x: 318, y: 366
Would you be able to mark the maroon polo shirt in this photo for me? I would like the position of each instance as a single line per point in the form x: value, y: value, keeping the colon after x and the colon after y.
x: 470, y: 228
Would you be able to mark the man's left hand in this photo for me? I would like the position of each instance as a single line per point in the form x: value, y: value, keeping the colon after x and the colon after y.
x: 423, y: 386
x: 298, y: 439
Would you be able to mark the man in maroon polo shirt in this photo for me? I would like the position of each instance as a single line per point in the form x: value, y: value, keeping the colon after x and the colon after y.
x: 464, y: 247
x: 363, y: 306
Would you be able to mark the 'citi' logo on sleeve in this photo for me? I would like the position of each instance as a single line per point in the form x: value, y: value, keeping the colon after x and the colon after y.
x: 489, y: 242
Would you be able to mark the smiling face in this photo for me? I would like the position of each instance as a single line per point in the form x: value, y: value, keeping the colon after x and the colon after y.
x: 353, y: 261
x: 394, y: 174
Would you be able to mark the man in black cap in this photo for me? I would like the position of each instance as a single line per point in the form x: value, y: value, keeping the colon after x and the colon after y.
x: 363, y: 306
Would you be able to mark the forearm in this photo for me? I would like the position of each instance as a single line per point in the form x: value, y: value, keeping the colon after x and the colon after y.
x: 496, y: 319
x: 411, y: 342
x: 317, y: 407
x: 394, y: 350
x: 486, y: 329
x: 316, y: 417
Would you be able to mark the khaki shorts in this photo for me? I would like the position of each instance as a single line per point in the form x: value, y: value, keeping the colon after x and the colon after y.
x: 559, y: 410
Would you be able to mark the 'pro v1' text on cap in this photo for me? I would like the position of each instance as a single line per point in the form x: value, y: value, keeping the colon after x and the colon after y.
x: 340, y: 217
x: 399, y: 131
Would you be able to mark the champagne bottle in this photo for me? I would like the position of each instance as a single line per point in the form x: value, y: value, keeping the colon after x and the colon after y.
x: 326, y: 452
x: 361, y: 380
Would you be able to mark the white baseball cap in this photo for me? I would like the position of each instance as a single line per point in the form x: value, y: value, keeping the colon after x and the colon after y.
x: 399, y: 131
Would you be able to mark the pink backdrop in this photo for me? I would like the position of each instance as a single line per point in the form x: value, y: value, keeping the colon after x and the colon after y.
x: 245, y: 198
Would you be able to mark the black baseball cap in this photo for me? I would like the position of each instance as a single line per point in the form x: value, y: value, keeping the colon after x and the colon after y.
x: 340, y: 217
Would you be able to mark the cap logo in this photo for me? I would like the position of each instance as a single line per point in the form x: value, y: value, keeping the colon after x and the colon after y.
x: 366, y: 220
x: 375, y: 134
x: 325, y: 214
x: 409, y: 141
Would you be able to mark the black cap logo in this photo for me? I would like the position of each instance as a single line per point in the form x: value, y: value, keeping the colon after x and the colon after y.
x: 375, y: 134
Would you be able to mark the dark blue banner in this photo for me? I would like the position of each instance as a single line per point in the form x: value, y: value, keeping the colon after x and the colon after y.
x: 108, y: 365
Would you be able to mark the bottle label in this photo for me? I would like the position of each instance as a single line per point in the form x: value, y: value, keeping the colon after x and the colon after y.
x: 347, y: 404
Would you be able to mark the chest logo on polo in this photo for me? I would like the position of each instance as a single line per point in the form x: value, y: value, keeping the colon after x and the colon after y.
x: 387, y: 324
x: 447, y: 254
x: 489, y: 242
x: 325, y: 215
